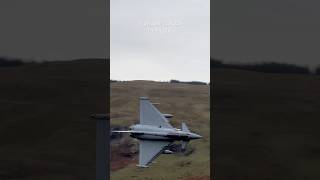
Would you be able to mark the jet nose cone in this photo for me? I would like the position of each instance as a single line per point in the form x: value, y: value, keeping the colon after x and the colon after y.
x: 195, y: 136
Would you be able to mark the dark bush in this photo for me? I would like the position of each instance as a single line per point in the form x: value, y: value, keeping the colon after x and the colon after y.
x: 174, y: 81
x: 188, y: 82
x: 271, y: 67
x: 214, y: 63
x: 195, y: 82
x: 5, y: 62
x: 318, y: 70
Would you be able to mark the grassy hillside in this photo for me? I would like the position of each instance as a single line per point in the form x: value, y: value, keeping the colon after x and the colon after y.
x: 186, y: 102
x: 266, y: 126
x: 45, y: 130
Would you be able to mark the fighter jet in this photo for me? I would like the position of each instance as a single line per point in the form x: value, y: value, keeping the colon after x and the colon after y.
x: 155, y: 134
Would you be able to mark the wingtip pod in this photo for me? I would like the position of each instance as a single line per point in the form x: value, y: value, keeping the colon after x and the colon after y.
x: 144, y: 98
x: 121, y: 131
x: 142, y: 166
x: 167, y: 115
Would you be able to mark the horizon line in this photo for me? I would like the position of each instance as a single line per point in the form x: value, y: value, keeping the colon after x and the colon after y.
x: 112, y: 79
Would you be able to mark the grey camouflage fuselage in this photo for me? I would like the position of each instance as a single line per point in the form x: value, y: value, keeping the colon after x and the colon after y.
x: 148, y: 132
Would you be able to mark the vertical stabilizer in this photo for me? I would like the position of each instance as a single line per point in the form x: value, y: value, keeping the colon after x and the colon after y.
x: 184, y: 127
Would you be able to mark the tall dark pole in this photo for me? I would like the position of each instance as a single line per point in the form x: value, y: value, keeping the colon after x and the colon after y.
x: 102, y: 146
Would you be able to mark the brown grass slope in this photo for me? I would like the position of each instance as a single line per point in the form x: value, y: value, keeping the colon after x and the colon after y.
x: 266, y: 126
x: 45, y: 130
x: 189, y: 103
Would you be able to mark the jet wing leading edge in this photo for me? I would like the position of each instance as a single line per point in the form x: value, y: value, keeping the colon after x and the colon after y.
x: 149, y: 115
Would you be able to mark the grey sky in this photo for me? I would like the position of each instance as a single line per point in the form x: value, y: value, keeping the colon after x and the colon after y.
x: 53, y: 29
x: 273, y: 30
x: 160, y: 40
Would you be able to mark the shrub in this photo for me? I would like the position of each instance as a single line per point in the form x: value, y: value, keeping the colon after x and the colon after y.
x: 5, y: 62
x: 266, y: 67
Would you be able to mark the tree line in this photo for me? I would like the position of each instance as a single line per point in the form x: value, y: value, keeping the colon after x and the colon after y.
x: 171, y: 81
x: 266, y: 67
x: 10, y: 62
x: 188, y: 82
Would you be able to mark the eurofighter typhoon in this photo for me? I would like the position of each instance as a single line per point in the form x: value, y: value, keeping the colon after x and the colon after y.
x: 155, y: 134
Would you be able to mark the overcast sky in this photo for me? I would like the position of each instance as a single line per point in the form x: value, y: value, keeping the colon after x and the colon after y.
x: 160, y: 40
x: 53, y: 29
x: 242, y: 31
x: 272, y: 30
